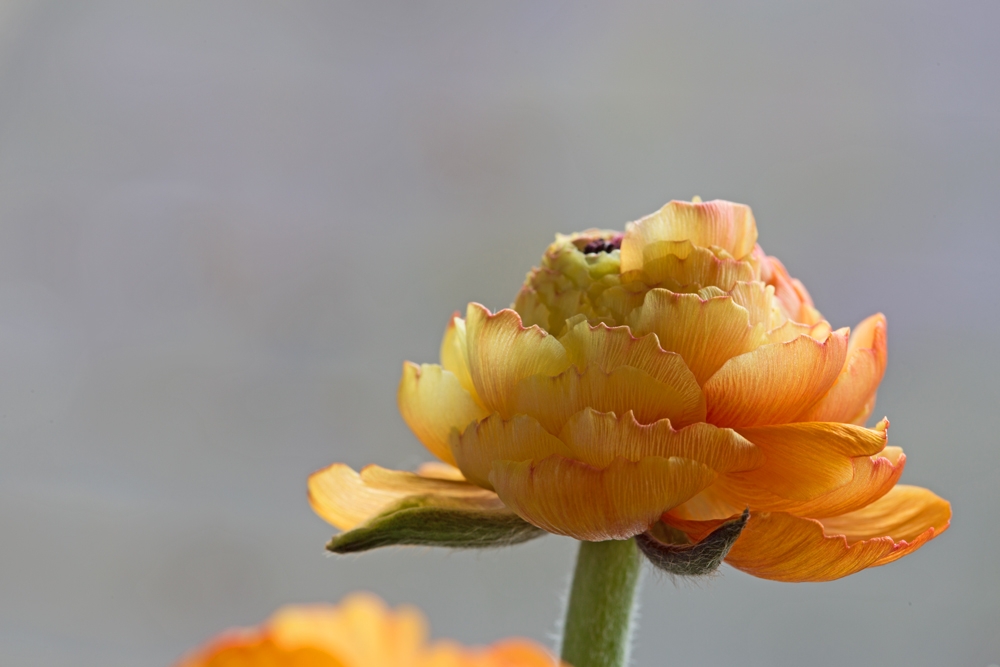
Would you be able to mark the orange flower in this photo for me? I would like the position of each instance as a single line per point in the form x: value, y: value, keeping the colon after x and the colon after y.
x: 359, y: 632
x: 672, y: 373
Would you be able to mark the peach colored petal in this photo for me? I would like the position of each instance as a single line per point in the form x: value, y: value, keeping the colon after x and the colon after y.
x: 501, y: 353
x: 805, y: 459
x: 852, y: 397
x: 776, y: 383
x: 909, y: 515
x: 505, y: 653
x: 455, y: 354
x: 348, y: 499
x: 758, y: 300
x: 610, y: 348
x: 716, y: 223
x: 440, y: 470
x: 791, y: 294
x: 705, y: 332
x: 520, y: 438
x: 598, y: 438
x: 679, y: 265
x: 571, y: 498
x: 873, y: 477
x: 553, y: 400
x: 432, y: 403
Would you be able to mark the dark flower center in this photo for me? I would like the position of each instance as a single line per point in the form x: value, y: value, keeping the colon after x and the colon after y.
x: 602, y: 245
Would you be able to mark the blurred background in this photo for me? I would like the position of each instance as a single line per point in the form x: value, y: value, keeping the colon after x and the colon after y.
x: 224, y: 226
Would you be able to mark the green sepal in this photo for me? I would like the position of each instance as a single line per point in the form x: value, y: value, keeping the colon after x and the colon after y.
x: 689, y: 560
x: 419, y: 521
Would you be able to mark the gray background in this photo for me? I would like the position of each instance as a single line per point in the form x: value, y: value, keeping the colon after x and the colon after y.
x: 223, y: 227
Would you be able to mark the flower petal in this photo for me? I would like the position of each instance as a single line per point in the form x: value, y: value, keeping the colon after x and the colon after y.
x: 681, y: 265
x: 501, y: 353
x: 705, y: 332
x: 348, y: 499
x: 520, y: 438
x: 571, y: 498
x: 804, y: 460
x: 790, y: 293
x: 553, y: 400
x: 776, y: 383
x: 873, y: 477
x: 598, y: 438
x: 433, y: 402
x: 909, y: 515
x: 852, y: 398
x: 455, y: 354
x: 716, y: 223
x: 610, y: 348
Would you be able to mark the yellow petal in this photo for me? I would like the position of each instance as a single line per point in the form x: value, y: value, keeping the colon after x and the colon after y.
x: 520, y: 438
x: 571, y: 498
x: 553, y: 400
x: 610, y: 348
x: 705, y: 332
x: 680, y: 265
x: 852, y: 398
x: 433, y: 402
x: 501, y: 353
x: 348, y: 499
x: 804, y: 460
x: 455, y: 354
x: 716, y: 223
x: 598, y: 438
x: 908, y: 515
x: 776, y: 383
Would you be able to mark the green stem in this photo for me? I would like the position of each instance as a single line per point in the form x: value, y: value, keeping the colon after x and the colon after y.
x: 596, y: 633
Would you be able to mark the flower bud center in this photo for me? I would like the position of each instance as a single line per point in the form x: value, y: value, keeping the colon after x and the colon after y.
x: 603, y: 245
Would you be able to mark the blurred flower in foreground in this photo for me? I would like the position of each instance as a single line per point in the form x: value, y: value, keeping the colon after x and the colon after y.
x: 652, y: 383
x: 359, y: 632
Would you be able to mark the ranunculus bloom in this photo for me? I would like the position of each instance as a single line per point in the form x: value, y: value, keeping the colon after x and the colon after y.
x: 359, y: 632
x: 672, y: 373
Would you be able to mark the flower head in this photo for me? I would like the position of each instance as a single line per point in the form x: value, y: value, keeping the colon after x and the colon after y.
x: 359, y: 632
x: 671, y: 375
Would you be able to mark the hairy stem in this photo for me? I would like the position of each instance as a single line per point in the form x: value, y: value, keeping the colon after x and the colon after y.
x: 601, y: 601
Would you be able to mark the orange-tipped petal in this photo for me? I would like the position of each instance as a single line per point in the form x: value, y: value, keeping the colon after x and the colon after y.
x: 776, y: 383
x: 348, y: 499
x: 873, y: 477
x: 553, y: 400
x: 807, y: 459
x: 705, y: 332
x: 571, y: 498
x: 455, y: 354
x: 852, y: 398
x: 433, y: 402
x: 791, y: 295
x: 520, y: 438
x: 716, y: 223
x: 501, y: 353
x: 598, y: 438
x: 909, y: 515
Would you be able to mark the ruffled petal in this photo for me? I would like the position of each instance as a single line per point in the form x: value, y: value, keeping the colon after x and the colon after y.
x: 571, y: 498
x: 609, y: 348
x: 501, y: 353
x: 790, y: 293
x: 852, y: 397
x: 806, y: 459
x: 776, y: 383
x: 681, y: 266
x: 908, y: 515
x: 455, y: 355
x: 598, y: 438
x: 348, y: 499
x: 715, y: 223
x: 433, y: 402
x: 553, y: 400
x: 520, y: 438
x: 705, y: 332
